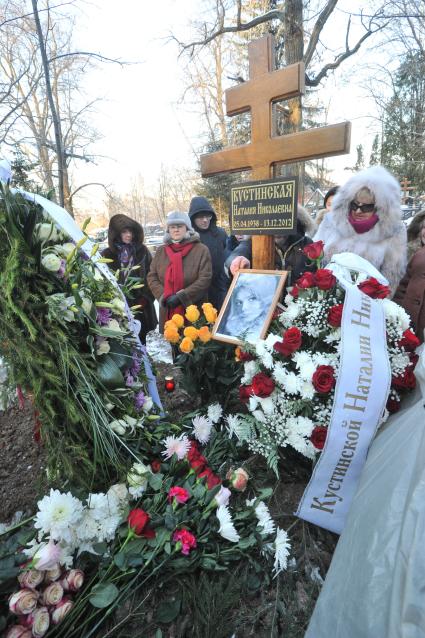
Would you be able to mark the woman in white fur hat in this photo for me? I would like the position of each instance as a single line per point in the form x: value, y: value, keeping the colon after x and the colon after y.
x: 181, y: 271
x: 366, y: 219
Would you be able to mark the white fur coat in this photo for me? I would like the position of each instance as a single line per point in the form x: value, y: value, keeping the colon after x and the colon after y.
x: 385, y: 245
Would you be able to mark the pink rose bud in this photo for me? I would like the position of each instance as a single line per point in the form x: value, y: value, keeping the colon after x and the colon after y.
x: 17, y: 631
x: 61, y: 610
x: 238, y: 479
x: 23, y: 601
x: 30, y: 578
x: 47, y: 556
x: 41, y: 622
x: 52, y: 574
x: 53, y: 594
x: 72, y: 580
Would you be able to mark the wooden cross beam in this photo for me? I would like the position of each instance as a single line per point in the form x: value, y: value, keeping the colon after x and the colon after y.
x: 266, y: 84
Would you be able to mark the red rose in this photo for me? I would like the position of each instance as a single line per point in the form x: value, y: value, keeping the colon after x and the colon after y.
x: 393, y: 405
x: 262, y: 385
x: 294, y: 291
x: 323, y: 379
x: 409, y: 341
x: 292, y: 339
x: 404, y: 381
x: 314, y: 251
x: 374, y: 289
x: 306, y: 280
x: 198, y: 464
x: 137, y: 520
x: 213, y: 480
x: 155, y: 465
x: 245, y: 356
x: 245, y: 391
x: 325, y: 279
x: 335, y: 315
x: 193, y: 451
x: 318, y: 436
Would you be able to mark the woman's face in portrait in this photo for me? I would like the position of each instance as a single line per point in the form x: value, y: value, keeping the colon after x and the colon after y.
x: 126, y: 236
x: 247, y: 304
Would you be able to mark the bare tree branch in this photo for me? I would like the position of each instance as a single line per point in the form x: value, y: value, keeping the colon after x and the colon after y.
x: 317, y: 30
x: 90, y: 54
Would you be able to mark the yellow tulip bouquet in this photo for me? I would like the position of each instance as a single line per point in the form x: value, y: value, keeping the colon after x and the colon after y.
x: 208, y: 367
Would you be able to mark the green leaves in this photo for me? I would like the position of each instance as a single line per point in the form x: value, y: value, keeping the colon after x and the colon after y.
x: 109, y: 373
x: 103, y: 595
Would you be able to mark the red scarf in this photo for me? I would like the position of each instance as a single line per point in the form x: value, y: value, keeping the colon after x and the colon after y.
x: 363, y: 225
x: 174, y: 275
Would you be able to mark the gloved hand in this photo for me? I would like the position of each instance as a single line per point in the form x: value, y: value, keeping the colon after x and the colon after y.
x: 172, y: 301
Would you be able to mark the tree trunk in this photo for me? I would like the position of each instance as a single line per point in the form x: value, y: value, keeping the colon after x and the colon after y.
x: 62, y: 171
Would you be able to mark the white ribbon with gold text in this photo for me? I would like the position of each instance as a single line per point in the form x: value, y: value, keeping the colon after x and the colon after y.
x: 361, y: 394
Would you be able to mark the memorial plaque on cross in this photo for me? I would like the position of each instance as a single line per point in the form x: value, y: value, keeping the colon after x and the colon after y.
x: 266, y: 84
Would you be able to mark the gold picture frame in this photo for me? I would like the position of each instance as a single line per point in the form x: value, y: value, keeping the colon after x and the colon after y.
x: 248, y: 308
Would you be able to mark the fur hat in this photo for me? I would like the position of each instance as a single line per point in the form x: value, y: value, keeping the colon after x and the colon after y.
x: 120, y: 222
x: 177, y: 217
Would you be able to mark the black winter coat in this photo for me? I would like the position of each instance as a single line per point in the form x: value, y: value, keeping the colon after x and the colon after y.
x: 143, y: 296
x: 215, y: 239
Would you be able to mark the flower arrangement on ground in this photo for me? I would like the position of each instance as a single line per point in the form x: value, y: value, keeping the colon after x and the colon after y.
x: 208, y: 367
x: 183, y: 510
x: 289, y: 378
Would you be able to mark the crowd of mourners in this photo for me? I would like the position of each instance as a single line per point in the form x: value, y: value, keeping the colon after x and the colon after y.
x: 198, y: 259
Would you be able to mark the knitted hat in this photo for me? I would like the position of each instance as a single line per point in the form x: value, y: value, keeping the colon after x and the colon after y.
x: 177, y: 217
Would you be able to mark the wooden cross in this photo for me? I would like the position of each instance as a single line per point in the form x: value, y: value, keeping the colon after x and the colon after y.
x: 406, y: 185
x: 266, y: 84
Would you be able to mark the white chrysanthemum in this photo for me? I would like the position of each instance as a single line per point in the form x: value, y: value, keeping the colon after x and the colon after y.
x: 300, y: 424
x: 250, y: 369
x: 253, y: 403
x: 307, y: 390
x: 265, y: 521
x: 395, y: 313
x: 201, y: 428
x: 267, y: 360
x: 292, y: 383
x: 137, y: 479
x: 267, y: 405
x: 227, y: 529
x: 301, y: 444
x: 58, y: 514
x: 301, y: 358
x: 270, y: 340
x: 238, y: 427
x: 280, y: 372
x: 333, y: 336
x: 292, y: 311
x: 215, y: 412
x: 179, y: 446
x: 282, y: 548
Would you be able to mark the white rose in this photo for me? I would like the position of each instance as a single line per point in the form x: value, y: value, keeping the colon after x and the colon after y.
x: 47, y: 231
x: 103, y: 347
x: 148, y: 404
x: 138, y: 475
x: 51, y: 262
x: 65, y: 249
x: 114, y: 325
x: 87, y: 305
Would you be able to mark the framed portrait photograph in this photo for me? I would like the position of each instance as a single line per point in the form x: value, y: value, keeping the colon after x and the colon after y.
x: 248, y: 308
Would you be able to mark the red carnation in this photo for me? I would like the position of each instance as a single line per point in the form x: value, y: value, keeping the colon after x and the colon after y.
x: 186, y: 539
x: 335, y: 315
x: 262, y: 385
x: 409, y: 341
x: 405, y: 381
x: 318, y: 436
x: 393, y: 405
x: 323, y: 379
x: 314, y: 251
x: 179, y: 494
x: 138, y: 520
x: 325, y: 279
x: 374, y: 289
x: 306, y: 280
x: 155, y: 466
x: 245, y: 391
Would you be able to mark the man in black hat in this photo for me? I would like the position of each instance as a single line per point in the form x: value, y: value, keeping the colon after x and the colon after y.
x: 204, y: 221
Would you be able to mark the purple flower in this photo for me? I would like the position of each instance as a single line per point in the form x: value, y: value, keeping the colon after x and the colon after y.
x: 62, y: 269
x: 139, y: 400
x: 129, y: 381
x: 103, y: 316
x: 137, y: 364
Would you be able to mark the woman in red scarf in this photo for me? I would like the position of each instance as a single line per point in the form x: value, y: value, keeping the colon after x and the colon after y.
x: 181, y: 271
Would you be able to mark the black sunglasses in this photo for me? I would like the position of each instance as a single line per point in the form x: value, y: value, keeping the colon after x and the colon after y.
x: 365, y: 208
